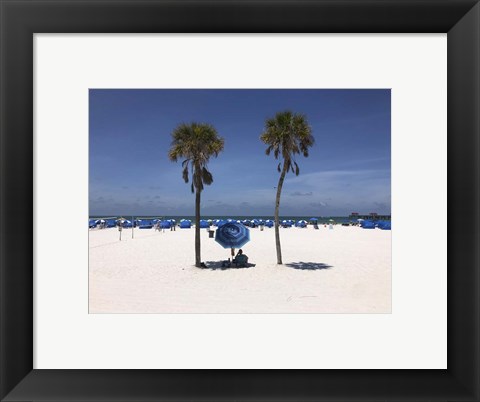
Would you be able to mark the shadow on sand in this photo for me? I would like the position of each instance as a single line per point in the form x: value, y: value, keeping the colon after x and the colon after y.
x: 311, y: 266
x: 218, y: 265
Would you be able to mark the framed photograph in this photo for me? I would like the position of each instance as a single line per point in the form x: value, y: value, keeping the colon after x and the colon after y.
x: 130, y: 187
x: 269, y: 186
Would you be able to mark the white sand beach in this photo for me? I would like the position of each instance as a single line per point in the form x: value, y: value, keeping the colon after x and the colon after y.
x: 343, y: 270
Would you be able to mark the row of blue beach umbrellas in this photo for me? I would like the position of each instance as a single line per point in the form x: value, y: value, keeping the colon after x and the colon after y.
x: 205, y: 224
x: 125, y: 223
x: 186, y: 223
x: 150, y: 223
x: 266, y: 222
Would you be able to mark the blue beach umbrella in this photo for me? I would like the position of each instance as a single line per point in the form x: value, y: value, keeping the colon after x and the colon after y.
x: 384, y: 225
x: 204, y: 224
x: 232, y: 235
x: 367, y: 225
x: 110, y: 223
x: 185, y: 224
x: 165, y: 224
x: 126, y: 223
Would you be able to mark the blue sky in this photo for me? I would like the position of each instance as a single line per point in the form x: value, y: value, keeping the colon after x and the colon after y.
x: 130, y: 134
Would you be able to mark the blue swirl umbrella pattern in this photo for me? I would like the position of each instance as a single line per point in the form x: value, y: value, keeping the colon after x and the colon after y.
x: 232, y: 235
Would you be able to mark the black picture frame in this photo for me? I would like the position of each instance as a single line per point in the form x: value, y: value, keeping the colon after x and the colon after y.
x: 20, y: 19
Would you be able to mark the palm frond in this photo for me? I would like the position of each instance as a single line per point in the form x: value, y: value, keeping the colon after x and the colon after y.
x: 185, y: 173
x: 207, y: 176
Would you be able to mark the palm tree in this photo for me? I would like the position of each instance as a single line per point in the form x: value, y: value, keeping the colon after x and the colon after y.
x: 196, y: 143
x: 287, y: 134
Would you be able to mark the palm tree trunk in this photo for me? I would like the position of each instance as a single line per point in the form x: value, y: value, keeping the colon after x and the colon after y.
x: 277, y: 210
x: 198, y: 259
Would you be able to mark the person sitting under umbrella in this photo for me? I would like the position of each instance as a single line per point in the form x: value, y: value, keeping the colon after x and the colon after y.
x: 240, y: 259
